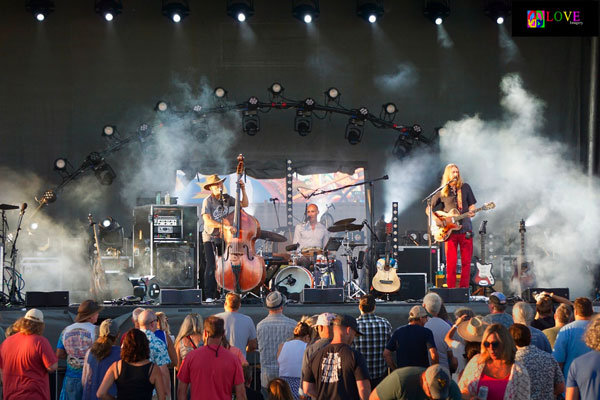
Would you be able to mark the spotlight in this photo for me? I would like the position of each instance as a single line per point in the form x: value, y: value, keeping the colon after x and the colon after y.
x: 175, y: 10
x: 60, y: 164
x: 305, y: 10
x: 332, y: 94
x: 104, y: 173
x: 497, y: 10
x: 49, y: 196
x: 389, y: 109
x: 416, y: 130
x: 108, y: 8
x: 276, y: 89
x: 33, y: 226
x: 401, y: 148
x: 106, y: 222
x: 109, y: 131
x: 370, y: 10
x: 110, y: 233
x: 143, y: 132
x: 197, y: 108
x: 161, y: 106
x: 356, y: 126
x: 437, y: 10
x: 40, y: 8
x: 303, y: 120
x: 240, y: 9
x: 220, y: 93
x: 250, y: 119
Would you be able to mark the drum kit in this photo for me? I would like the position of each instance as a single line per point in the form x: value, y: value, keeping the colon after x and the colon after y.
x: 287, y: 275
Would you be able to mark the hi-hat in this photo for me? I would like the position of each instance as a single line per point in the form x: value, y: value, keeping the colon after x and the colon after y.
x: 345, y: 221
x: 272, y: 236
x: 291, y: 247
x: 342, y: 228
x: 8, y: 207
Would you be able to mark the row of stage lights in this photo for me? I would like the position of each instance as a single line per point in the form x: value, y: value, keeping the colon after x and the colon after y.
x: 303, y: 10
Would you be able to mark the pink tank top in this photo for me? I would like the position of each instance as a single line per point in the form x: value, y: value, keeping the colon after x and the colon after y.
x: 496, y: 387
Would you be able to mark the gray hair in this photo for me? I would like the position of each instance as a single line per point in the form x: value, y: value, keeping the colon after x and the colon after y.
x: 432, y: 303
x: 135, y: 314
x: 522, y: 313
x: 460, y: 311
x: 146, y: 318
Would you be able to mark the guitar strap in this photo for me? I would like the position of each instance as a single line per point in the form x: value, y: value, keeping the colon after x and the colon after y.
x: 459, y: 200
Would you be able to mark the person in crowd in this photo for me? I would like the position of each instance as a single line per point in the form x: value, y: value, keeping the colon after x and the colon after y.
x: 544, y: 307
x: 582, y: 381
x: 135, y: 375
x: 523, y: 314
x: 337, y: 371
x: 570, y: 343
x: 26, y: 359
x: 159, y: 354
x: 289, y: 357
x: 135, y: 314
x: 413, y: 343
x: 470, y: 333
x: 163, y: 332
x: 279, y: 389
x: 312, y: 322
x: 432, y: 302
x: 495, y: 368
x: 251, y: 394
x: 324, y: 329
x: 103, y: 353
x: 562, y: 316
x: 544, y: 373
x: 234, y: 350
x: 273, y: 330
x: 497, y: 306
x: 211, y: 371
x: 377, y: 332
x: 415, y: 383
x: 239, y: 328
x: 74, y: 342
x: 189, y: 337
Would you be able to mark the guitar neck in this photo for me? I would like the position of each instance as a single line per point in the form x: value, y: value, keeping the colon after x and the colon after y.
x: 464, y: 215
x: 482, y: 249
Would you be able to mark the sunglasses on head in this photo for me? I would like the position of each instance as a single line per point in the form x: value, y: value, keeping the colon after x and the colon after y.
x: 493, y: 345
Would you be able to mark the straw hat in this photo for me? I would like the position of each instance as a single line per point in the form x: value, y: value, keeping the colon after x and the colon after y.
x: 212, y: 180
x: 472, y: 330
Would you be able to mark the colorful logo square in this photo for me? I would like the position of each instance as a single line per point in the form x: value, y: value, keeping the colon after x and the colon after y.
x: 535, y: 19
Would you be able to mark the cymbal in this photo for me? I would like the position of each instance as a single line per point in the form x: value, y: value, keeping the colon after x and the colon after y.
x: 291, y: 247
x: 345, y: 221
x: 311, y: 251
x: 354, y: 244
x: 342, y: 228
x: 272, y: 236
x: 8, y: 207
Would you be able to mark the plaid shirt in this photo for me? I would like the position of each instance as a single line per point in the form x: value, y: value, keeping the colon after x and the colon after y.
x: 270, y: 332
x: 376, y: 333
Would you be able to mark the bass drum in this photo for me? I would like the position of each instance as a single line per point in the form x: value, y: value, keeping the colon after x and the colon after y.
x: 294, y: 279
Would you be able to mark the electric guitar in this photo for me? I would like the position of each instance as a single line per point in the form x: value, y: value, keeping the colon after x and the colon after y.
x: 523, y: 270
x: 448, y: 221
x: 99, y: 287
x: 386, y: 279
x: 483, y: 276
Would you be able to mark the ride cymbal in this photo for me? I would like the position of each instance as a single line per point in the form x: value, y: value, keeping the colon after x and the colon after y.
x: 272, y: 236
x: 343, y: 228
x: 344, y: 221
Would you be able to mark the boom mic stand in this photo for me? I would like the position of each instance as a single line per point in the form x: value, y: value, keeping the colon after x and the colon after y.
x: 14, y: 295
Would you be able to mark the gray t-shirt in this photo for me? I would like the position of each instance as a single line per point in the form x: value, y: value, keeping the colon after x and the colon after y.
x: 239, y: 329
x: 440, y: 328
x: 213, y: 208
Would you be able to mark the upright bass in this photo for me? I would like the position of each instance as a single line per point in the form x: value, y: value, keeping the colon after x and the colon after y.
x: 239, y: 269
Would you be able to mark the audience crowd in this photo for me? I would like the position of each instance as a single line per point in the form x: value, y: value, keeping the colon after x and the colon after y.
x: 550, y: 352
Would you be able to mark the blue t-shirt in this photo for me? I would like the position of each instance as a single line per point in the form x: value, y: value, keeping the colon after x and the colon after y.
x: 569, y: 344
x: 584, y: 374
x: 411, y: 344
x: 540, y: 340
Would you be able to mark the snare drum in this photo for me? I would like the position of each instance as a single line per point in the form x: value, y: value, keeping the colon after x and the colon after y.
x: 294, y: 279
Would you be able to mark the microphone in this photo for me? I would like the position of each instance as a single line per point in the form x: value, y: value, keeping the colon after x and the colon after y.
x: 385, y: 177
x: 274, y: 199
x: 23, y: 207
x: 302, y: 194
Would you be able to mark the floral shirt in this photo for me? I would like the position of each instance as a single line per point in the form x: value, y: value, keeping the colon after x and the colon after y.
x: 518, y: 387
x: 159, y: 354
x: 543, y: 370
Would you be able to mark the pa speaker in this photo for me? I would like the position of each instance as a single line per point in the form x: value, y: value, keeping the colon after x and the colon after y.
x: 175, y: 266
x: 457, y: 295
x: 47, y: 299
x: 529, y: 294
x: 181, y: 297
x: 322, y: 296
x: 412, y: 287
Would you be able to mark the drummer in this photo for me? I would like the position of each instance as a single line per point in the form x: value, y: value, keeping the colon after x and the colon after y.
x: 313, y: 234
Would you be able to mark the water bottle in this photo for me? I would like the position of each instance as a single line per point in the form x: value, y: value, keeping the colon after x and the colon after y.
x: 158, y: 197
x: 167, y: 198
x: 483, y: 393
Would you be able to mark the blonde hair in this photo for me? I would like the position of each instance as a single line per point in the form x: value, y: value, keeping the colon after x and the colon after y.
x: 163, y: 322
x: 506, y: 342
x: 447, y: 177
x: 27, y: 327
x: 592, y: 334
x: 192, y: 324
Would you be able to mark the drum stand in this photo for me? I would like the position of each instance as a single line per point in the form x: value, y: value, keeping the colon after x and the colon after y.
x: 353, y: 290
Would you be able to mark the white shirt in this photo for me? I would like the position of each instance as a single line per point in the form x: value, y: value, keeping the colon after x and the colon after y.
x: 440, y: 328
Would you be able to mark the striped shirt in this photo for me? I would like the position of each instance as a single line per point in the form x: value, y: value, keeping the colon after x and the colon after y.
x: 376, y: 333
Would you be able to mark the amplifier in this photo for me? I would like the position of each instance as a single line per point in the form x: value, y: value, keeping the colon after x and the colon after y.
x: 457, y: 295
x: 413, y: 286
x: 186, y: 296
x: 322, y: 296
x: 167, y: 223
x: 529, y: 294
x: 47, y: 299
x: 415, y: 259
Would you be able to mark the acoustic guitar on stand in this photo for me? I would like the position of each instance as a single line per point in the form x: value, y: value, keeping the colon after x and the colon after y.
x: 448, y: 221
x: 386, y: 279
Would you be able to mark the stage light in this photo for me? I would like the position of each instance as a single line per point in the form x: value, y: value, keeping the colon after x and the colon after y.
x: 276, y: 89
x: 175, y: 10
x: 197, y: 108
x: 332, y: 94
x: 109, y: 130
x: 303, y: 120
x: 49, y: 196
x: 416, y: 130
x: 106, y: 222
x: 60, y: 164
x: 437, y: 10
x: 104, y: 173
x: 143, y: 132
x: 40, y: 8
x: 110, y: 234
x: 370, y: 10
x: 356, y: 126
x: 161, y: 106
x: 250, y: 119
x: 108, y: 8
x: 389, y: 109
x: 33, y: 226
x: 240, y: 9
x: 220, y: 93
x: 497, y: 10
x: 305, y: 10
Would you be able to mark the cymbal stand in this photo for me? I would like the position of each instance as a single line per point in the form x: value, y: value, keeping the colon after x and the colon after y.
x: 353, y: 289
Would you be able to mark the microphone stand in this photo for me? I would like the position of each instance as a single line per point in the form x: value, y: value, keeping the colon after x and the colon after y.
x: 14, y: 294
x: 274, y: 200
x: 429, y: 222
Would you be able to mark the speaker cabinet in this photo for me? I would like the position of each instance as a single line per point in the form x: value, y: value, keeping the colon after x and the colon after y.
x: 180, y: 297
x: 175, y: 266
x: 47, y: 299
x: 415, y: 259
x: 322, y: 296
x: 413, y: 286
x: 529, y: 294
x: 457, y: 295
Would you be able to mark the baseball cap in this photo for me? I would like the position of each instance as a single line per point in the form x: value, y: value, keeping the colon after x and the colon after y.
x: 108, y: 327
x: 34, y: 315
x: 497, y: 298
x: 348, y: 321
x: 438, y: 381
x: 325, y: 319
x: 417, y: 312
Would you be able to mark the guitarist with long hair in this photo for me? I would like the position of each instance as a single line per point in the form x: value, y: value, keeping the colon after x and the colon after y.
x: 456, y: 195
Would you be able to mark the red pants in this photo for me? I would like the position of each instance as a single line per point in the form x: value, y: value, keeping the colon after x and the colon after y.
x: 466, y: 253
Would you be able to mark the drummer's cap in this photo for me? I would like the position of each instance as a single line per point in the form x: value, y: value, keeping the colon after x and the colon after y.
x: 274, y: 300
x: 325, y: 319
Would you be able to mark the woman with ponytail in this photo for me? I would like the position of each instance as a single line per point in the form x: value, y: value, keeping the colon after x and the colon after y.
x: 99, y: 358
